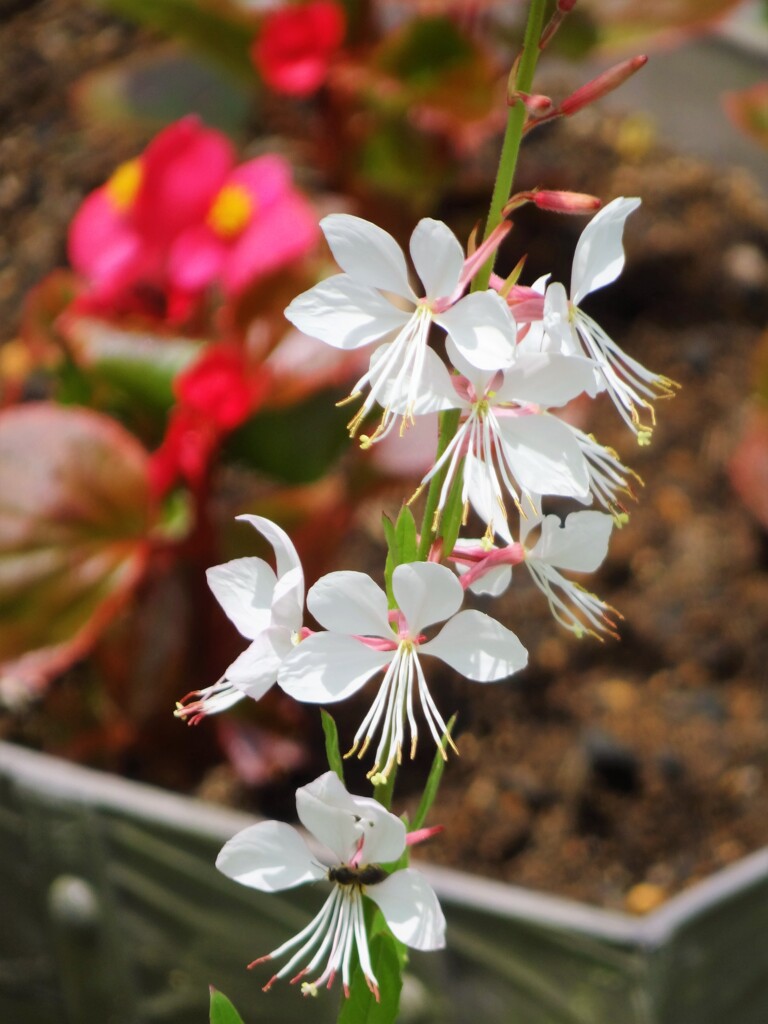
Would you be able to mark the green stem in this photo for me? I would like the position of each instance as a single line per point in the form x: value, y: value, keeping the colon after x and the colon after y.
x: 513, y: 135
x: 449, y: 421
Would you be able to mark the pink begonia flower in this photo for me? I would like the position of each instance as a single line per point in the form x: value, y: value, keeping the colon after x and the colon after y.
x: 364, y: 637
x: 358, y: 835
x: 296, y: 45
x: 182, y: 217
x: 255, y: 224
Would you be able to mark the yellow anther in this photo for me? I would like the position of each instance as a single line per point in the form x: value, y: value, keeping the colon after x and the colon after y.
x: 124, y: 184
x: 308, y: 988
x: 231, y: 211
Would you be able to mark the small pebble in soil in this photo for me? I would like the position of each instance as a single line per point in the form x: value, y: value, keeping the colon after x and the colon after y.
x: 613, y: 764
x: 645, y: 897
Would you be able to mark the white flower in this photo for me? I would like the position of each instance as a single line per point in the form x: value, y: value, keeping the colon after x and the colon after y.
x: 508, y: 443
x: 364, y: 637
x: 577, y: 545
x: 359, y: 835
x: 355, y: 308
x: 598, y: 260
x: 267, y: 608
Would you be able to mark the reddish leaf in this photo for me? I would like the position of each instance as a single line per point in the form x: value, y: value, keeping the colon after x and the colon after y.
x: 75, y: 512
x: 748, y: 467
x: 748, y: 109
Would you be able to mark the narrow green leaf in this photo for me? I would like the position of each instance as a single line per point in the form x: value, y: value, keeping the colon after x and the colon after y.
x: 389, y: 565
x: 433, y: 782
x: 453, y: 513
x: 405, y: 532
x: 361, y: 1007
x: 222, y: 1011
x: 332, y: 752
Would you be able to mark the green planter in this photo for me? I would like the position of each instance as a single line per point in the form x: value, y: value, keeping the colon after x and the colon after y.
x: 113, y: 913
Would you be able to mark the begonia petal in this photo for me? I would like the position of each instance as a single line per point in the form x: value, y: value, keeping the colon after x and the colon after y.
x: 270, y: 856
x: 426, y: 593
x: 345, y: 314
x: 438, y: 257
x: 244, y: 588
x: 411, y: 909
x: 350, y: 602
x: 479, y: 647
x: 368, y: 253
x: 599, y: 255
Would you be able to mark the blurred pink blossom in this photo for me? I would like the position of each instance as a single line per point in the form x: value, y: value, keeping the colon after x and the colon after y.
x: 296, y: 44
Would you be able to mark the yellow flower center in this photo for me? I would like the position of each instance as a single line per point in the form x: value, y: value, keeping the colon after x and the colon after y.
x: 232, y: 209
x: 124, y: 184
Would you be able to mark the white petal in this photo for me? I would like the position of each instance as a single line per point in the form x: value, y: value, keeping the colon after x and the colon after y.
x: 367, y: 253
x: 255, y: 670
x: 484, y: 497
x: 286, y: 556
x: 479, y: 647
x: 288, y: 601
x: 350, y: 602
x: 412, y: 911
x: 548, y: 379
x: 483, y: 329
x: 344, y: 313
x: 327, y: 667
x: 580, y: 544
x: 436, y: 393
x: 384, y: 834
x: 493, y: 583
x: 270, y: 856
x: 244, y: 588
x: 557, y: 321
x: 599, y: 256
x: 544, y: 456
x: 438, y: 257
x: 426, y: 593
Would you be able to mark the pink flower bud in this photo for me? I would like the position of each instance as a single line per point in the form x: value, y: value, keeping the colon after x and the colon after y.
x: 602, y: 85
x: 565, y: 202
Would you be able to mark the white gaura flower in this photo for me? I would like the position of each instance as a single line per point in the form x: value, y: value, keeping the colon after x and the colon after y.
x: 359, y: 835
x: 579, y: 544
x: 598, y: 260
x: 373, y: 301
x: 508, y: 444
x: 364, y: 637
x: 267, y: 609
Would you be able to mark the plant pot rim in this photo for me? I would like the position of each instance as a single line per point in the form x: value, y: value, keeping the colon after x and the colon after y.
x: 79, y: 785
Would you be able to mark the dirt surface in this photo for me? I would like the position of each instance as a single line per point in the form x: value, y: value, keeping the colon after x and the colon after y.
x: 615, y: 773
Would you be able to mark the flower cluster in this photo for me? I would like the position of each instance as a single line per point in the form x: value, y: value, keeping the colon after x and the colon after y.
x: 183, y: 217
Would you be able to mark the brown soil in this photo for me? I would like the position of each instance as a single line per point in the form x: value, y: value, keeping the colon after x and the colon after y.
x: 602, y: 768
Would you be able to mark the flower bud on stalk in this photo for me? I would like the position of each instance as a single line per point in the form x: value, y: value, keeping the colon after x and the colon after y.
x: 602, y: 85
x: 563, y: 7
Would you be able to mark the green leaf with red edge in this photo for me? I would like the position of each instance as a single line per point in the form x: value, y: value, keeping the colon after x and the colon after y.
x: 748, y: 109
x: 75, y: 519
x: 152, y: 89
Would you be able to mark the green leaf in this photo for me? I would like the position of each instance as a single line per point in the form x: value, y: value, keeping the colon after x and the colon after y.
x: 361, y: 1007
x: 152, y: 89
x: 389, y: 565
x: 335, y: 761
x: 433, y: 781
x: 405, y: 535
x: 214, y: 30
x: 222, y: 1011
x: 453, y: 514
x: 76, y: 515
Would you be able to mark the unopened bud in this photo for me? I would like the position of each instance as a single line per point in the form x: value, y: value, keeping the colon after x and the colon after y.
x: 565, y: 202
x: 563, y: 7
x: 535, y: 105
x: 602, y: 85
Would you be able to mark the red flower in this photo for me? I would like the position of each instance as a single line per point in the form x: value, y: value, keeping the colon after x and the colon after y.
x: 296, y: 44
